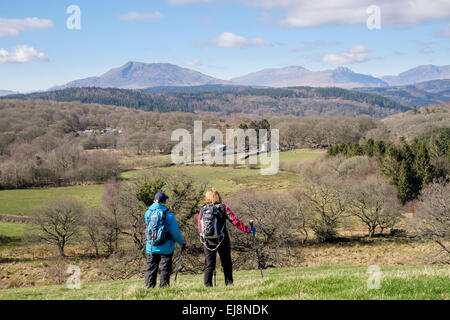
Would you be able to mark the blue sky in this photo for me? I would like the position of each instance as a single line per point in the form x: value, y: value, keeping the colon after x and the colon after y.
x: 221, y: 38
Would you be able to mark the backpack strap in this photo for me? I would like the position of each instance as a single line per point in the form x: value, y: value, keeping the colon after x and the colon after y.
x: 203, y: 241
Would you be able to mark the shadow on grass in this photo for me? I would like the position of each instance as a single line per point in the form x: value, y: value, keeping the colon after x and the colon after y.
x: 10, y: 241
x: 349, y: 241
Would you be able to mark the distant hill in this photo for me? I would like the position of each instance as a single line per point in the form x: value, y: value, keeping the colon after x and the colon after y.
x: 417, y: 122
x: 6, y: 92
x: 194, y: 89
x: 299, y: 76
x: 300, y: 101
x: 419, y: 94
x: 419, y: 74
x: 138, y: 75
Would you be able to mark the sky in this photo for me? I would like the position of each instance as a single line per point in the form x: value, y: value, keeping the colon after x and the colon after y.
x: 41, y: 44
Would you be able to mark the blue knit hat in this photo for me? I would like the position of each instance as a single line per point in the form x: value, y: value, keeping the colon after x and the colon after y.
x: 161, y: 197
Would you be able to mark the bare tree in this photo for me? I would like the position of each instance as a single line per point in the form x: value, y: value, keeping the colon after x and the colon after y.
x: 303, y: 214
x: 329, y: 207
x: 322, y: 196
x: 111, y: 219
x: 373, y: 200
x: 275, y: 219
x: 432, y: 213
x: 92, y: 223
x: 132, y: 212
x: 59, y: 222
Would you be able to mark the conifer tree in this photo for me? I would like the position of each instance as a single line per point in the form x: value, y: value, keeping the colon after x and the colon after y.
x: 423, y: 166
x: 405, y: 182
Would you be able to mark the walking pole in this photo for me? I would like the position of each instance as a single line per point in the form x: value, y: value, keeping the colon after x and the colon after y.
x: 257, y: 251
x: 178, y: 266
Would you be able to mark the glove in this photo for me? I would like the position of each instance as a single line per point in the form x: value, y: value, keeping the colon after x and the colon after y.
x: 253, y: 230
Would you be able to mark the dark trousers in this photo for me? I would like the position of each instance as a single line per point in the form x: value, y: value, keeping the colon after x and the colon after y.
x: 224, y: 251
x: 155, y: 261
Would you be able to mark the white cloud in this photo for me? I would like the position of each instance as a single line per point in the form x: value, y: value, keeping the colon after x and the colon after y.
x: 231, y: 40
x: 21, y: 54
x: 13, y: 27
x: 134, y: 16
x: 355, y: 54
x: 313, y: 13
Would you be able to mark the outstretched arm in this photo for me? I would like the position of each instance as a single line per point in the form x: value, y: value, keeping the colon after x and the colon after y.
x: 234, y: 220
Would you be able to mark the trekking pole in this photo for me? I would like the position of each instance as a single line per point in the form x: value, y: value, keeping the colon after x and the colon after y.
x: 257, y: 251
x: 178, y: 266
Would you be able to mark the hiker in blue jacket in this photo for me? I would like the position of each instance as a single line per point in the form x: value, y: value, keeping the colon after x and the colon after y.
x: 161, y: 255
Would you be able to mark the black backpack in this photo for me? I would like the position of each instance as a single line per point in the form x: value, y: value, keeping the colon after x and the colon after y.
x: 209, y: 224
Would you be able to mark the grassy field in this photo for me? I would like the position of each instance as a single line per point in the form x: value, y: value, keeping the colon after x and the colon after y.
x: 11, y: 234
x: 11, y: 230
x: 223, y: 178
x: 301, y: 155
x: 23, y: 201
x: 337, y: 282
x: 226, y: 179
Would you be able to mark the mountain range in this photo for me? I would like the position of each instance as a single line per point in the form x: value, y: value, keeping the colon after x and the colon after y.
x: 294, y: 76
x: 419, y: 74
x: 139, y: 75
x: 6, y: 92
x: 418, y: 94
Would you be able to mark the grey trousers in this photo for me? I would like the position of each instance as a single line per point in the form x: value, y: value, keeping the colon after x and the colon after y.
x: 155, y: 261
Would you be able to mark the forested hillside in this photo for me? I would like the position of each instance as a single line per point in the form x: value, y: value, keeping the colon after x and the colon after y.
x: 417, y: 121
x: 299, y: 101
x: 419, y: 94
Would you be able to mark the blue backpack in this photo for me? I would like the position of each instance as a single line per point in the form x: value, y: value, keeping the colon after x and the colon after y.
x: 157, y: 229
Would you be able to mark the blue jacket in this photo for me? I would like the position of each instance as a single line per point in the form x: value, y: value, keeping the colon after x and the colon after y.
x: 169, y: 246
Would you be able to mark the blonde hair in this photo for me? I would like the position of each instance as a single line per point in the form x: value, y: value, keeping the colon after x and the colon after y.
x: 212, y: 197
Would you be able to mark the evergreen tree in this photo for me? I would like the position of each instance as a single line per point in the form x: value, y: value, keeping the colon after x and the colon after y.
x: 379, y: 148
x: 423, y: 166
x: 370, y: 148
x: 405, y: 182
x: 390, y: 163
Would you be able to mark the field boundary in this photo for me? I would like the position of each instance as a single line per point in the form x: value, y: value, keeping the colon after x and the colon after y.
x: 15, y: 219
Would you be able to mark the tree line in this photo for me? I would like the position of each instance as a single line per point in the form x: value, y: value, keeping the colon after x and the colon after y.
x: 410, y: 166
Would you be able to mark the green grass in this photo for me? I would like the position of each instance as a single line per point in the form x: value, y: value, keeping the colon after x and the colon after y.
x: 11, y: 229
x: 342, y: 282
x: 225, y: 179
x: 145, y: 161
x: 23, y: 201
x: 300, y: 155
x: 11, y: 233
